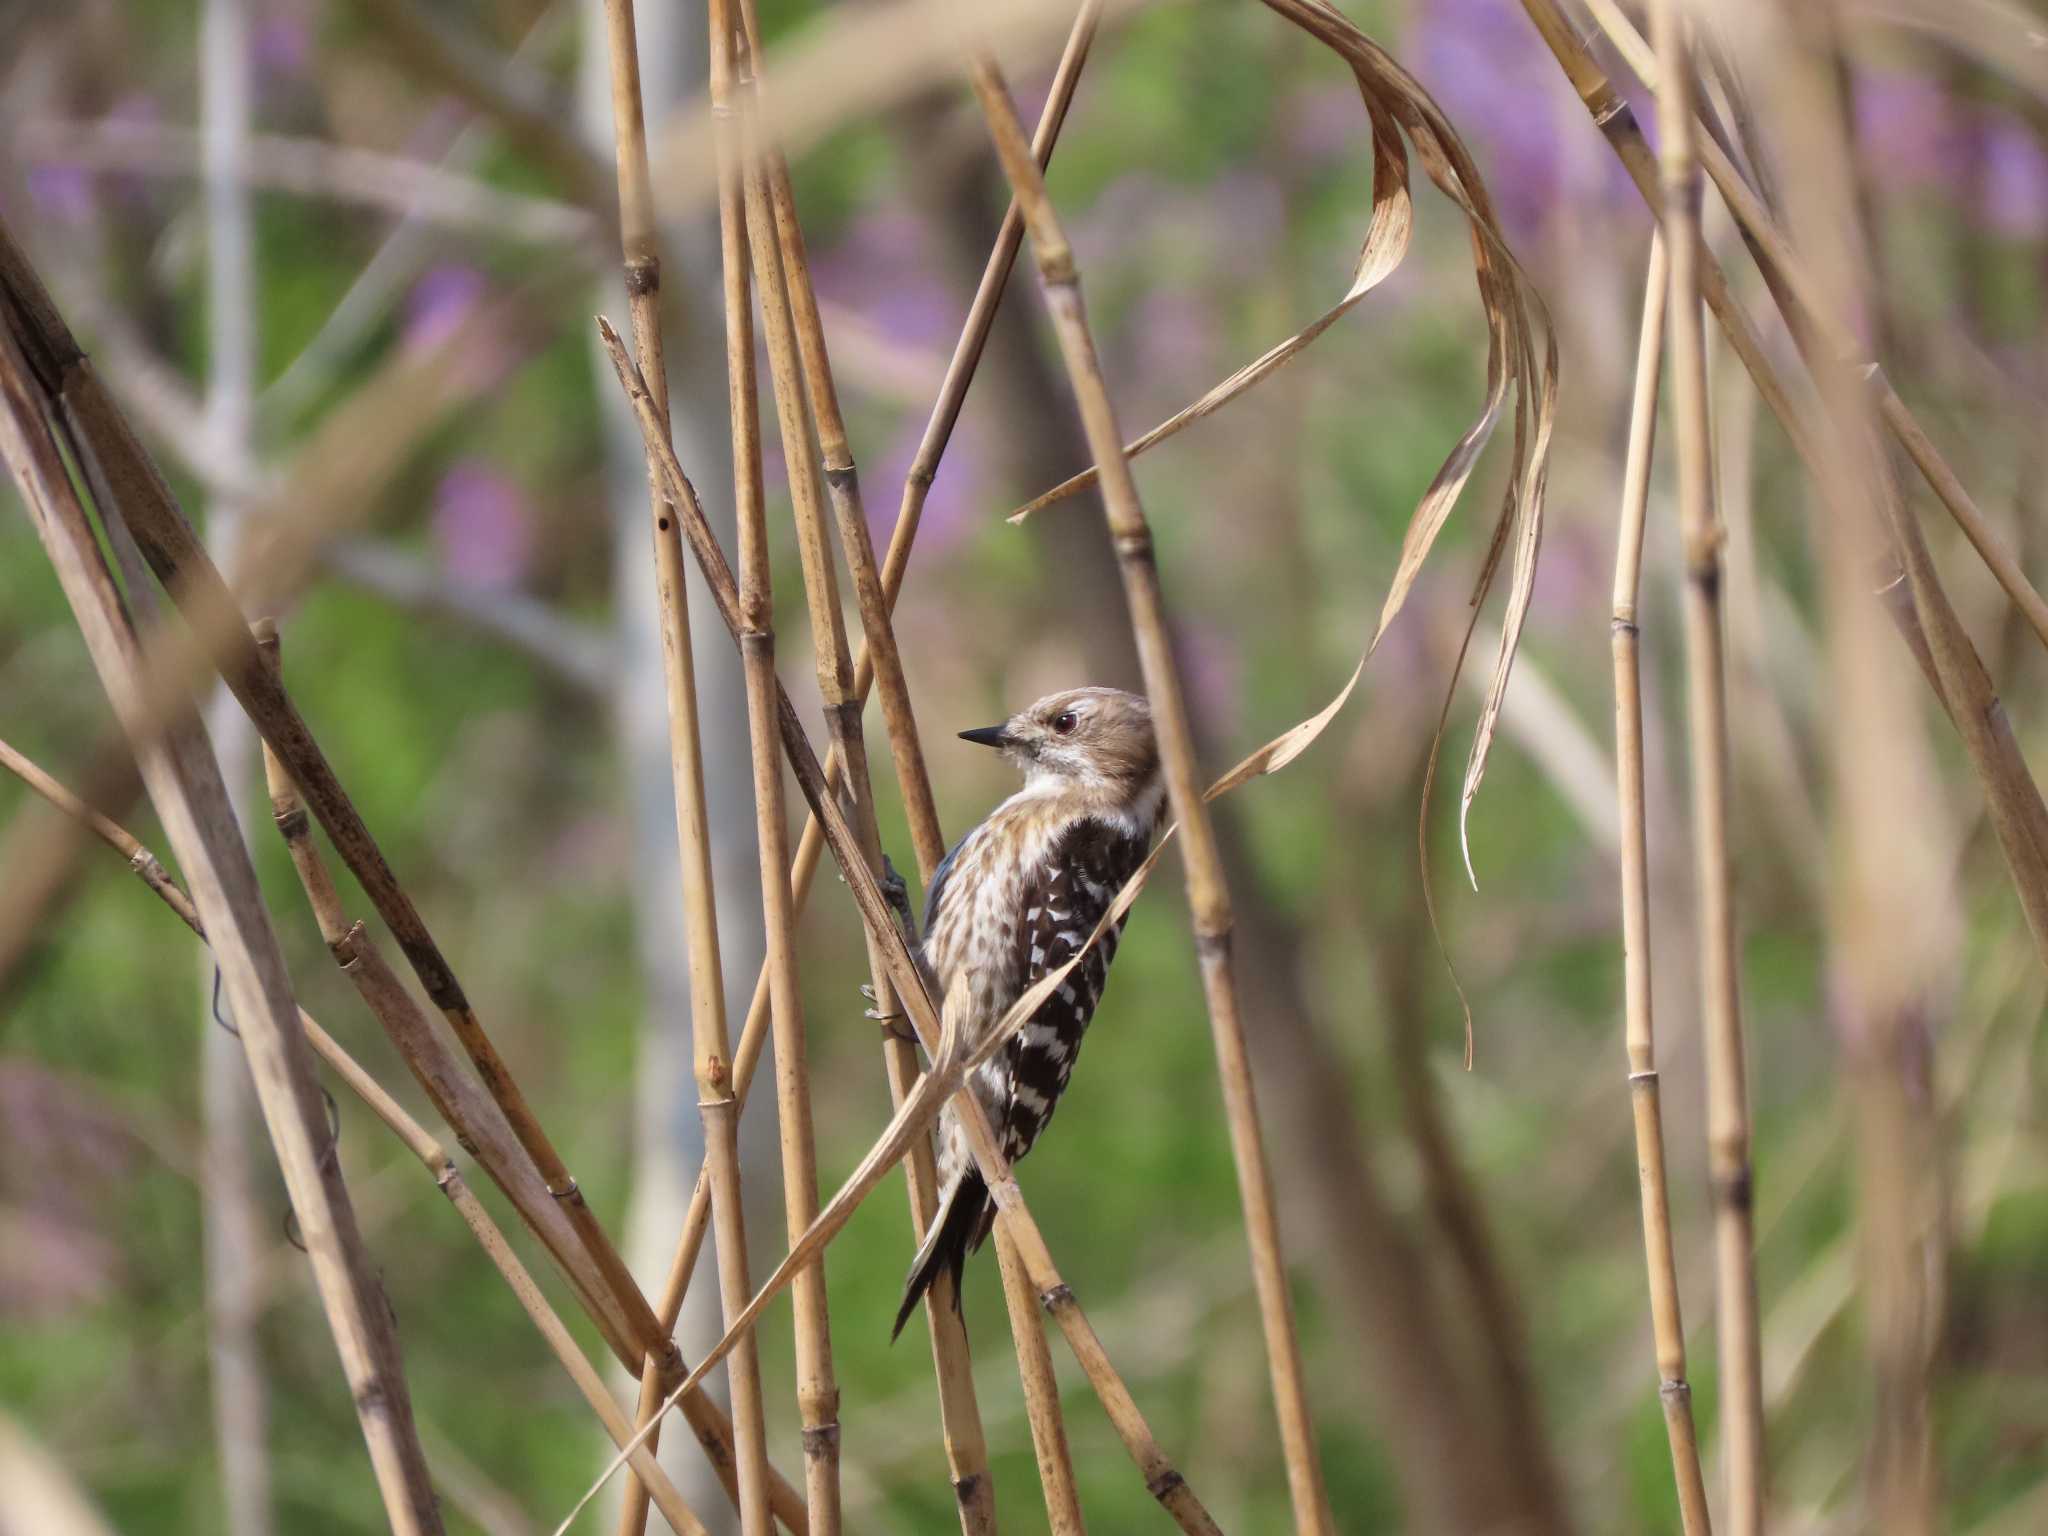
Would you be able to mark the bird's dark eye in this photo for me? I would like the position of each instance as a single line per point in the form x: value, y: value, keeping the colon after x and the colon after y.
x: 1063, y: 723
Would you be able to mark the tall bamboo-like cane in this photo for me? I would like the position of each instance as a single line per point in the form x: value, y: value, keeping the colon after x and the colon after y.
x: 1208, y: 894
x: 747, y: 244
x: 1644, y: 1085
x: 717, y: 1099
x: 1728, y: 1132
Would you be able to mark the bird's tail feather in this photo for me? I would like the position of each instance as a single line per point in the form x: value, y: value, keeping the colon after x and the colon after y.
x: 956, y: 1230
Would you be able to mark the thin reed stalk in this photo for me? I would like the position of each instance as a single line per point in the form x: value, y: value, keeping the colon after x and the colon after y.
x: 841, y: 476
x: 185, y: 785
x: 1162, y: 1479
x: 416, y: 1138
x: 718, y: 1103
x: 747, y: 245
x: 800, y: 370
x: 1740, y: 1331
x: 1208, y: 893
x: 479, y: 1124
x: 960, y: 1415
x: 1667, y: 1323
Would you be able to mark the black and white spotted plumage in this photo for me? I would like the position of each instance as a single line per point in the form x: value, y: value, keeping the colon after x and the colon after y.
x: 1013, y: 901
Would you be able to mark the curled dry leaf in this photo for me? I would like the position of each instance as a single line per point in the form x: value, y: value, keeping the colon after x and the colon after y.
x: 1397, y: 105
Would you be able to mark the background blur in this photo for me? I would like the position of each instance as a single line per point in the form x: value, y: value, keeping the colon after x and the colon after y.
x: 480, y: 663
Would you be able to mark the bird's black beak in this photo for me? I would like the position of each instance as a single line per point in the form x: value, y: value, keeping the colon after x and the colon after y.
x: 987, y: 736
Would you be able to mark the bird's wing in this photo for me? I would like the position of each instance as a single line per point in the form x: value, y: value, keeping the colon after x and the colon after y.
x: 1062, y: 901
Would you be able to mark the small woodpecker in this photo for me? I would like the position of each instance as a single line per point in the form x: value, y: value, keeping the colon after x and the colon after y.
x: 1015, y: 899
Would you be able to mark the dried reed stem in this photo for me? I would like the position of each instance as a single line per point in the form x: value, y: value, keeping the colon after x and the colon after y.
x: 1208, y: 893
x: 641, y: 257
x: 841, y: 477
x: 842, y: 693
x: 1162, y: 1479
x: 1207, y: 889
x: 715, y: 1098
x: 1035, y: 1363
x: 798, y: 359
x: 747, y: 241
x: 480, y: 1126
x: 185, y: 784
x: 1666, y: 1322
x: 1728, y: 1132
x: 417, y: 1139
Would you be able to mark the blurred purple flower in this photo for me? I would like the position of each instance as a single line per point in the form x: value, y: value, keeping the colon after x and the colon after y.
x: 483, y: 526
x: 1176, y: 337
x: 2014, y: 196
x: 949, y: 509
x: 137, y: 111
x: 1904, y: 123
x: 62, y: 191
x: 283, y: 45
x: 441, y: 303
x: 884, y: 269
x: 1127, y: 212
x: 1214, y: 673
x: 1482, y: 61
x: 1924, y: 138
x: 1570, y: 578
x: 1031, y: 95
x: 438, y: 304
x: 1245, y: 212
x: 1326, y: 122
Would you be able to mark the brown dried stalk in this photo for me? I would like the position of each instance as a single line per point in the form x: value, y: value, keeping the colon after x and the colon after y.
x: 185, y: 784
x: 480, y: 1126
x: 1728, y: 1131
x: 740, y: 195
x: 1208, y: 894
x: 837, y: 682
x: 417, y: 1139
x: 797, y: 357
x: 841, y: 477
x: 719, y: 1105
x: 1035, y: 1363
x: 1666, y: 1320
